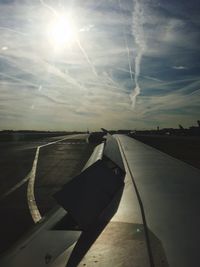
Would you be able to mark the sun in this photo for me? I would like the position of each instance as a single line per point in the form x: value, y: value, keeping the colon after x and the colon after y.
x: 61, y: 31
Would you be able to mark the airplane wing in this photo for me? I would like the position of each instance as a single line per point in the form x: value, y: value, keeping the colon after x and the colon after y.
x: 168, y: 191
x: 132, y: 205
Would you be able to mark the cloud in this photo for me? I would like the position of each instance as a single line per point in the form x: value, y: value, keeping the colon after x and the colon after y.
x: 138, y: 33
x: 179, y: 67
x: 87, y: 28
x: 90, y: 85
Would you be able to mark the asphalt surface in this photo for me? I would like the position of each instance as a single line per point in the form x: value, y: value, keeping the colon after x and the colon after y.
x: 185, y: 148
x: 57, y: 163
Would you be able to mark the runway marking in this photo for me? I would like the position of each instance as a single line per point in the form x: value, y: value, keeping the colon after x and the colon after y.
x: 35, y: 213
x: 27, y: 177
x: 31, y: 178
x: 15, y: 187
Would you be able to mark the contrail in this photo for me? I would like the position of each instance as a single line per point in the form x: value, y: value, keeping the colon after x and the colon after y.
x: 138, y: 33
x: 129, y: 58
x: 18, y: 79
x: 12, y: 30
x: 86, y: 57
x: 126, y: 45
x: 51, y: 9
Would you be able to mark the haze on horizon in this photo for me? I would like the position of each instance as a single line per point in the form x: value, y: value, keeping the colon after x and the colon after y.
x: 89, y: 64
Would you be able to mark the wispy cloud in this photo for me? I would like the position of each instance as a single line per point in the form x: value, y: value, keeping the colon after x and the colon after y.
x: 179, y: 67
x: 138, y: 33
x: 75, y: 88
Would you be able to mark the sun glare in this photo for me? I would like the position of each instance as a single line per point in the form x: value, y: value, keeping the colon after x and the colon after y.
x: 61, y: 31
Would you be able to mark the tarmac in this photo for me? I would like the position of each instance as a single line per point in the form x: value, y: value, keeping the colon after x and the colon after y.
x: 56, y: 163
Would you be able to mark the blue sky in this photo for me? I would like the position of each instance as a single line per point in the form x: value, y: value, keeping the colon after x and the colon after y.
x: 129, y: 64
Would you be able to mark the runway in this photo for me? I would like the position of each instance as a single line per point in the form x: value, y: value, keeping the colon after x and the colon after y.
x: 31, y: 172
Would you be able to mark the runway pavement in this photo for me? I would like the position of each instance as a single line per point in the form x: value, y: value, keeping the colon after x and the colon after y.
x: 40, y: 167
